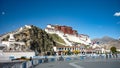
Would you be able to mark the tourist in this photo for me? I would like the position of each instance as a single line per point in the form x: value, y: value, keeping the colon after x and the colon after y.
x: 116, y: 55
x: 110, y: 55
x: 61, y: 58
x: 106, y: 56
x: 113, y: 55
x: 46, y: 60
x: 30, y: 58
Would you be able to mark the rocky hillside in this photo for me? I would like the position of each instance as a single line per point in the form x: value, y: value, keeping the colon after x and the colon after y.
x: 35, y: 38
x: 108, y: 42
x: 57, y: 38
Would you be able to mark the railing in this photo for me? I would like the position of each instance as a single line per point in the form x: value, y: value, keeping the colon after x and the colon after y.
x: 43, y: 59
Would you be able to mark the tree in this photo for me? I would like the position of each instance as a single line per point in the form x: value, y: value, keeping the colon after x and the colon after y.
x: 69, y: 52
x: 113, y: 49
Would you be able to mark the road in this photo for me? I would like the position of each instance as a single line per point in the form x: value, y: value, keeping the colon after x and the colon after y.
x: 87, y: 63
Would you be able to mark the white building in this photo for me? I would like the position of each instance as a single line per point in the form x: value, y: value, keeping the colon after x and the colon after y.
x: 68, y: 38
x: 12, y: 45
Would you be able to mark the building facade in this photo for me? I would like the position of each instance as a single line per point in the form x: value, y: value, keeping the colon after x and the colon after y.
x: 68, y: 34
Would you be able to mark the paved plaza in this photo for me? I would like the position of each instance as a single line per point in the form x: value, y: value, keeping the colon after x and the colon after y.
x: 87, y: 63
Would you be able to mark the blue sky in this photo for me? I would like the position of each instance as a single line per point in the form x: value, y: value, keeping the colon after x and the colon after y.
x: 92, y: 17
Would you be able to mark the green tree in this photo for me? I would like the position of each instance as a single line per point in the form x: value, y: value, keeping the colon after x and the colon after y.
x: 69, y: 52
x: 113, y: 49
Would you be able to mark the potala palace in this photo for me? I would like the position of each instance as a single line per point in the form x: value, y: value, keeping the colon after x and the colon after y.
x: 71, y: 37
x: 68, y: 35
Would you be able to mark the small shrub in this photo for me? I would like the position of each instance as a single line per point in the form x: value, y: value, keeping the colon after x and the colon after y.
x: 23, y: 57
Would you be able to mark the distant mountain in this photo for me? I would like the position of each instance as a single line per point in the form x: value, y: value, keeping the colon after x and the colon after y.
x: 104, y: 39
x: 107, y: 42
x: 35, y: 38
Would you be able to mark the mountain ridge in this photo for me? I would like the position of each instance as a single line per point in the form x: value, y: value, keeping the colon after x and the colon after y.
x: 107, y: 42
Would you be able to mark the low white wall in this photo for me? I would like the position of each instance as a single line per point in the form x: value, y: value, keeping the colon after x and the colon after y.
x: 19, y: 54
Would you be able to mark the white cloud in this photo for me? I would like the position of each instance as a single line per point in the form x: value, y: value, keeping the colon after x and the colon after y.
x: 117, y: 14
